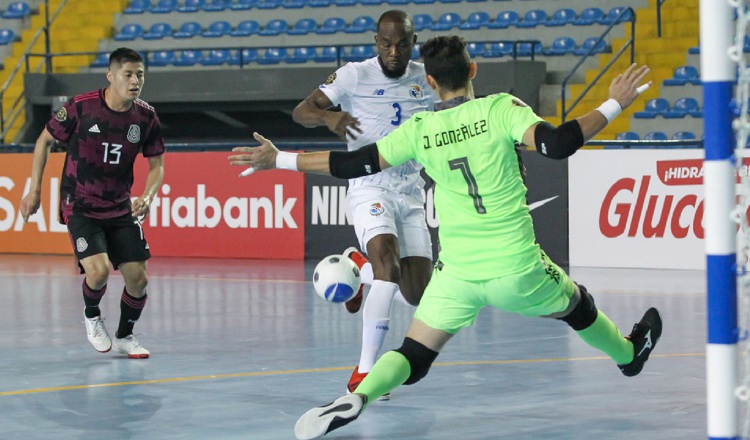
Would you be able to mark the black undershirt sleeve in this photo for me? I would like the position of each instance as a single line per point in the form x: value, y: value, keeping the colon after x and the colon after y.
x: 350, y: 164
x: 560, y: 142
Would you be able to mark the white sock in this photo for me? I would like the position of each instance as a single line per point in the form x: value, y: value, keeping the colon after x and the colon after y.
x: 366, y: 274
x: 376, y: 318
x: 400, y: 298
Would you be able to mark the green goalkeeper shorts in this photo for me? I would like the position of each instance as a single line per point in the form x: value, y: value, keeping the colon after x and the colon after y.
x: 450, y: 304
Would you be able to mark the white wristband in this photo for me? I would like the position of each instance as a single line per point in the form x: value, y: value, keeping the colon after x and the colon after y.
x: 609, y: 108
x: 286, y: 161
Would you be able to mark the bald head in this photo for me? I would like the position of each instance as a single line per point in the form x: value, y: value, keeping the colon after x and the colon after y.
x: 395, y: 40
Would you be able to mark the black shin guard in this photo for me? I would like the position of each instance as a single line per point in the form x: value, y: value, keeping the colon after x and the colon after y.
x: 584, y: 314
x: 420, y: 359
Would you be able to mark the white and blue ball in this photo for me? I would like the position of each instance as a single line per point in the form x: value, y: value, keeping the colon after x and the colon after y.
x: 336, y: 279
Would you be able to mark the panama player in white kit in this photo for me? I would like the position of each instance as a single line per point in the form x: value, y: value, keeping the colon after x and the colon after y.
x: 387, y: 208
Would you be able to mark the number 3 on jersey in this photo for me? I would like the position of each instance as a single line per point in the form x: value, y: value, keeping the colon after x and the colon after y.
x: 397, y: 121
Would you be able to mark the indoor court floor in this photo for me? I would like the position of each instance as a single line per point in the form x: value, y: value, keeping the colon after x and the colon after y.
x: 241, y: 348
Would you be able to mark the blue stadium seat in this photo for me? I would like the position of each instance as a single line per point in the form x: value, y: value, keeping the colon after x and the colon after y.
x: 327, y: 55
x: 684, y: 136
x: 415, y: 52
x: 218, y: 29
x: 682, y: 107
x: 598, y: 45
x: 364, y: 23
x: 158, y: 31
x: 188, y: 58
x: 246, y: 28
x: 359, y: 53
x: 101, y: 60
x: 504, y: 20
x: 655, y: 136
x: 191, y: 6
x: 243, y: 5
x: 164, y: 6
x: 589, y: 16
x: 273, y: 55
x: 217, y: 57
x: 397, y: 2
x: 268, y: 4
x: 532, y: 18
x: 474, y: 21
x: 188, y: 29
x: 422, y: 22
x: 293, y: 4
x: 319, y: 3
x: 527, y: 49
x: 628, y: 136
x: 248, y: 56
x: 446, y: 21
x: 161, y: 58
x: 561, y: 46
x: 450, y: 1
x: 129, y: 32
x: 654, y: 107
x: 216, y: 5
x: 17, y: 10
x: 416, y: 2
x: 372, y: 2
x: 344, y: 3
x: 497, y: 50
x: 274, y: 27
x: 684, y: 75
x: 301, y: 55
x: 561, y: 17
x: 613, y: 13
x: 7, y: 36
x: 331, y: 25
x: 303, y: 27
x: 137, y: 7
x: 476, y: 49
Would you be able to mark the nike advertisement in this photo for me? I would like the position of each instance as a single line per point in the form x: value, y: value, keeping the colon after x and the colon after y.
x: 329, y: 230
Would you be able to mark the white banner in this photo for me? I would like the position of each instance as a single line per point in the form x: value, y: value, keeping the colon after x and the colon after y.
x: 637, y: 208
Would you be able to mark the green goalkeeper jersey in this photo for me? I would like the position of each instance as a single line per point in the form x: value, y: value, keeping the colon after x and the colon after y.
x: 469, y: 151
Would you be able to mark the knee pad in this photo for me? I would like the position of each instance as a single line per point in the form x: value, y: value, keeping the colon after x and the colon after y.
x: 584, y: 314
x: 420, y: 359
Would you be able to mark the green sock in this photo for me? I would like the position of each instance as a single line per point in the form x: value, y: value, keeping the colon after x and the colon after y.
x: 604, y: 335
x: 389, y: 372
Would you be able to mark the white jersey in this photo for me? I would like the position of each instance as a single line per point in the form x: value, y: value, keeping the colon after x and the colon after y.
x: 381, y: 104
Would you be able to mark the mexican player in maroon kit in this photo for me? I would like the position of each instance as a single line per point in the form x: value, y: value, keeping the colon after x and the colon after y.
x: 104, y: 131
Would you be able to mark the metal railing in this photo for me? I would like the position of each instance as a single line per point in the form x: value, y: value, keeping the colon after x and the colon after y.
x: 18, y: 106
x: 658, y: 16
x: 629, y: 44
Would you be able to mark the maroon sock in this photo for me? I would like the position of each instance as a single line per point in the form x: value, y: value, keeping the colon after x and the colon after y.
x: 91, y: 299
x: 130, y: 311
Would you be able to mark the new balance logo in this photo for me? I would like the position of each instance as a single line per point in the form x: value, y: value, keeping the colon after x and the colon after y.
x: 647, y: 345
x: 379, y: 92
x: 94, y: 129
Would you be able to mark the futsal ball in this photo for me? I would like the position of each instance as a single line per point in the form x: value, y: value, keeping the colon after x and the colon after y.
x: 336, y: 279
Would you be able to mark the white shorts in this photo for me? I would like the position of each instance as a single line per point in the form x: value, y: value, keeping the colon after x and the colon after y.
x: 376, y: 211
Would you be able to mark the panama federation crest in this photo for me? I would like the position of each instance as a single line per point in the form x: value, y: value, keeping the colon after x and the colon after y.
x: 134, y: 133
x: 376, y: 209
x: 415, y: 91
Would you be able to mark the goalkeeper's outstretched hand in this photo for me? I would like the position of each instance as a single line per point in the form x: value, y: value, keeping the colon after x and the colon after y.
x: 262, y: 157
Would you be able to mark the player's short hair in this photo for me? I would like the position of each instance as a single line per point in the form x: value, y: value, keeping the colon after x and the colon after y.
x: 446, y: 59
x: 397, y: 16
x: 124, y: 55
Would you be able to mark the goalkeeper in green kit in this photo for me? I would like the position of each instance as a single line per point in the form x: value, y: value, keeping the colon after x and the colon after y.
x: 489, y: 255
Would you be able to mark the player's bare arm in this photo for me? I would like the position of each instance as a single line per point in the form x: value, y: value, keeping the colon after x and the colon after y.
x: 560, y: 142
x: 313, y: 112
x: 30, y: 202
x: 142, y: 206
x: 348, y: 164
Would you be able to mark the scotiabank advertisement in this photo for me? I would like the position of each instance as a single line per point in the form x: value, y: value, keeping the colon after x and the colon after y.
x: 637, y: 208
x: 203, y: 209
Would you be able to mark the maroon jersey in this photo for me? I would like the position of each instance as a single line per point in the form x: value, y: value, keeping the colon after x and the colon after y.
x: 102, y: 145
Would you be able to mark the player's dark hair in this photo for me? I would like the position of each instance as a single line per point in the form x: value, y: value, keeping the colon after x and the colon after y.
x: 397, y: 16
x: 446, y: 60
x: 124, y: 55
